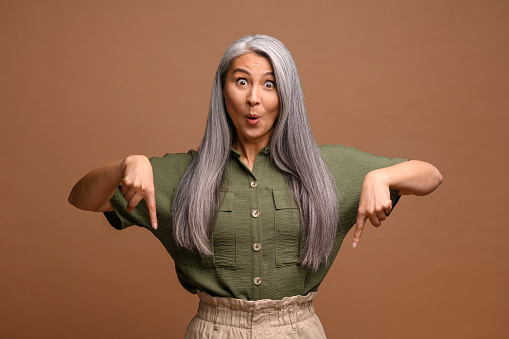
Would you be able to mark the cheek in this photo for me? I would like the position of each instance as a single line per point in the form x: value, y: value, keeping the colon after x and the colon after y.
x: 274, y: 104
x: 231, y: 100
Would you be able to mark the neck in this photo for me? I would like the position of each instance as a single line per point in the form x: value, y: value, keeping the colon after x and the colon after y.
x: 248, y: 151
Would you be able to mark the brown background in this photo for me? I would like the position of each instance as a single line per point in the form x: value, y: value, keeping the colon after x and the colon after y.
x: 84, y: 83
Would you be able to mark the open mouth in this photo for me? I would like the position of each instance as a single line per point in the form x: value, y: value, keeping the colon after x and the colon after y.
x: 252, y: 119
x: 252, y: 116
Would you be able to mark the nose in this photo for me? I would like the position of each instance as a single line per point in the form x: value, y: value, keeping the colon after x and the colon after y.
x: 253, y: 97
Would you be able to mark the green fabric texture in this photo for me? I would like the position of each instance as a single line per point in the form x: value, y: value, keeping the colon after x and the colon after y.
x: 237, y: 258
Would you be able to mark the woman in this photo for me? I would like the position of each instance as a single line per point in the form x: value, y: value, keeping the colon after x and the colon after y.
x: 256, y: 216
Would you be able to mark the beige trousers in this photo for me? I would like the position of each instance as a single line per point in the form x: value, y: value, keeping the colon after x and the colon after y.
x: 230, y: 318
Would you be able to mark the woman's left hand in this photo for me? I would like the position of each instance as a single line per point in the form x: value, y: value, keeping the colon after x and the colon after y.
x: 409, y: 177
x: 375, y: 202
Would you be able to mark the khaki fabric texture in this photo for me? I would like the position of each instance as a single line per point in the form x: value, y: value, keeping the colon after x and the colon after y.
x: 229, y: 318
x: 257, y: 233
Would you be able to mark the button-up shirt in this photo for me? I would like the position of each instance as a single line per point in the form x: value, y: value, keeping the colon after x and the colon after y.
x: 257, y: 234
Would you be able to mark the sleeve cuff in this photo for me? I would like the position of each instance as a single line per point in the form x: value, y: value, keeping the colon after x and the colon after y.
x: 113, y: 219
x: 394, y: 197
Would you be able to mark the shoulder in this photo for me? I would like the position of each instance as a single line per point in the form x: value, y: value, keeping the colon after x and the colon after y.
x: 334, y: 151
x: 342, y: 156
x: 171, y: 167
x: 349, y: 162
x: 173, y: 160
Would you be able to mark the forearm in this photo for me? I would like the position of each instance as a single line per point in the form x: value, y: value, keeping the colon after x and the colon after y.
x: 411, y: 177
x: 94, y: 190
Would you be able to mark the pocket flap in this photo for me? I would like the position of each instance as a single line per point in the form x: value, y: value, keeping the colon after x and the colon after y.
x: 226, y: 201
x: 283, y: 198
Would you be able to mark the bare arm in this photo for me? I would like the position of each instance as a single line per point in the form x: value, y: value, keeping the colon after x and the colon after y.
x: 411, y: 177
x: 94, y: 191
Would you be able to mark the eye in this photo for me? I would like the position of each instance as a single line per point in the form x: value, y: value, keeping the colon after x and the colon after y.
x: 270, y: 84
x: 242, y: 82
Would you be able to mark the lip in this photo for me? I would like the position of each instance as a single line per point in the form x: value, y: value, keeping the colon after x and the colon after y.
x: 252, y: 119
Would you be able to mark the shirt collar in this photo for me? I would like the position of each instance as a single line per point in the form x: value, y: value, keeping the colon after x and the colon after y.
x: 264, y: 151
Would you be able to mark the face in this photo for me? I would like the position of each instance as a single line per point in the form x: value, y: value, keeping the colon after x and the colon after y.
x: 251, y: 98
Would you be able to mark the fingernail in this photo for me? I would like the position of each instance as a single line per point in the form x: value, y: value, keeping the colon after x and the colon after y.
x: 155, y: 225
x: 354, y: 245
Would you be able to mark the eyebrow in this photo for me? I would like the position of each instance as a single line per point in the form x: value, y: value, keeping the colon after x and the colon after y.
x: 248, y: 73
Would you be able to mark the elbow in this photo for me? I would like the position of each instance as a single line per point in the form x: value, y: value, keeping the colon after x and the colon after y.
x: 436, y: 179
x: 75, y: 199
x: 81, y: 201
x: 431, y: 179
x: 71, y: 199
x: 440, y: 178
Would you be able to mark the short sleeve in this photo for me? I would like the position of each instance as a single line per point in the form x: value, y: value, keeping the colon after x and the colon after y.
x: 349, y: 166
x: 120, y: 218
x: 168, y: 171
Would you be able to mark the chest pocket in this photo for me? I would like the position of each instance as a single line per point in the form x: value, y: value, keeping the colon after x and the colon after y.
x: 287, y: 228
x: 224, y: 235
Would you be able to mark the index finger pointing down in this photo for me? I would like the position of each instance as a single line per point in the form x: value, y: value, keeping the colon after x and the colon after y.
x: 151, y: 205
x: 359, y: 227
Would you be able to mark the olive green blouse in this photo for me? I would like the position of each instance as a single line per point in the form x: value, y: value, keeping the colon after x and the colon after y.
x: 256, y: 237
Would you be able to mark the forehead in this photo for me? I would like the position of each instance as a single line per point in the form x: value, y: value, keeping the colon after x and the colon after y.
x: 252, y: 62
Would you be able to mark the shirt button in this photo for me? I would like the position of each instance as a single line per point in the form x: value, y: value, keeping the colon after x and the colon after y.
x: 254, y: 183
x: 257, y: 281
x: 255, y: 213
x: 257, y: 247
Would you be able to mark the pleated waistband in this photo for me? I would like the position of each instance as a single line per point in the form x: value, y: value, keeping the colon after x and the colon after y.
x: 248, y: 313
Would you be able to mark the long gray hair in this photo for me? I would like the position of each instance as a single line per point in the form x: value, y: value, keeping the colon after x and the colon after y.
x: 292, y: 150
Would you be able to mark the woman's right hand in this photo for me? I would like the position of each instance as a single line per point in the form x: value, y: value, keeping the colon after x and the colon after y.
x: 94, y: 191
x: 138, y: 184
